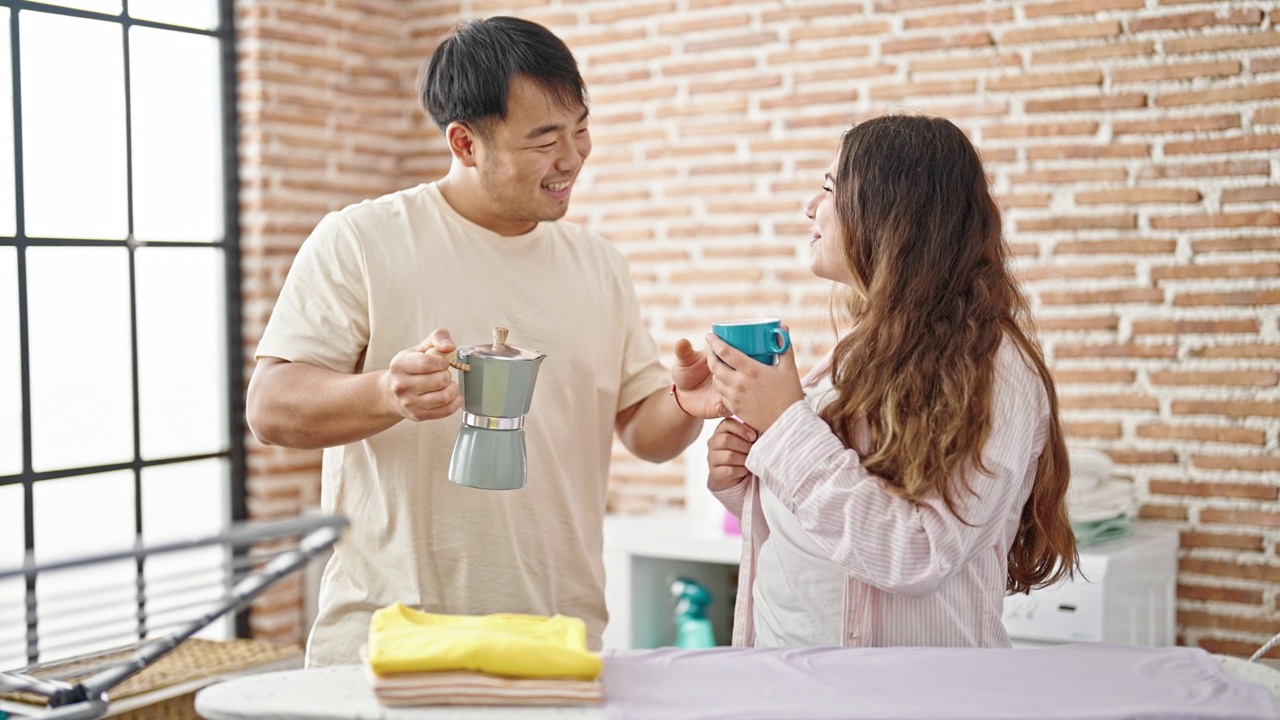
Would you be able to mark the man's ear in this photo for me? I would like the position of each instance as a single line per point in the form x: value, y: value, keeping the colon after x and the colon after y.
x: 462, y: 142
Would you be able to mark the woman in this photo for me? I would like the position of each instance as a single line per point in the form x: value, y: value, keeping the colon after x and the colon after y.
x: 918, y: 474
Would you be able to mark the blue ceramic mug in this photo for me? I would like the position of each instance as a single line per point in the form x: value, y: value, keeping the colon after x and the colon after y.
x: 761, y: 338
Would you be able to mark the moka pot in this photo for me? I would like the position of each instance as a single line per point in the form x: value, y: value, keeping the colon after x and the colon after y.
x: 497, y: 390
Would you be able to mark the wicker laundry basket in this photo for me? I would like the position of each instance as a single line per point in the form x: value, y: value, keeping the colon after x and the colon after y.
x: 166, y: 689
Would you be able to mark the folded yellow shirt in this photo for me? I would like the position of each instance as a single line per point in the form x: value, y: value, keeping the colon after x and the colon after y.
x: 402, y: 639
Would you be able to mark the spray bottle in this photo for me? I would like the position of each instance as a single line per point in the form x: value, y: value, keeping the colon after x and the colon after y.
x: 693, y: 628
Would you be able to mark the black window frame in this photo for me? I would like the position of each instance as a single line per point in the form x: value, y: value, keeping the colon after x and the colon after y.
x: 234, y: 454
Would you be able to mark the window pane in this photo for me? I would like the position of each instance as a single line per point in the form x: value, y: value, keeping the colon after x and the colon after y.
x: 186, y: 501
x: 73, y: 133
x: 10, y: 366
x: 81, y: 377
x: 177, y: 172
x: 8, y: 221
x: 201, y: 14
x: 89, y: 607
x: 111, y: 7
x: 181, y: 314
x: 13, y: 644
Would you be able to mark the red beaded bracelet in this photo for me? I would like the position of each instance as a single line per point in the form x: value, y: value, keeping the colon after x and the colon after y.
x: 677, y: 399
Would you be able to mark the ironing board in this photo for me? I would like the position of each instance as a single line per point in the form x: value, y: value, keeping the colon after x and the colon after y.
x: 87, y: 697
x: 1097, y: 682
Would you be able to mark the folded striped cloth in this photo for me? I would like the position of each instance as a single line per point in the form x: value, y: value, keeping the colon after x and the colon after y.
x: 471, y: 688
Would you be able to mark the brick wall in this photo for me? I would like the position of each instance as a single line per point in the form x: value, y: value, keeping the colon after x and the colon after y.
x: 1132, y: 144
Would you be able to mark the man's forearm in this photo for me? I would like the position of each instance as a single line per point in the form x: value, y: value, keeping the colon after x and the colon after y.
x: 301, y: 406
x: 658, y: 430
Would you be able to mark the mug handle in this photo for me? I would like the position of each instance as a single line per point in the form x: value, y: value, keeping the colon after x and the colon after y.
x: 781, y: 341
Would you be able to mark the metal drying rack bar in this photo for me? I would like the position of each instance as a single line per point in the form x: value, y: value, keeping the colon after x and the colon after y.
x: 87, y: 698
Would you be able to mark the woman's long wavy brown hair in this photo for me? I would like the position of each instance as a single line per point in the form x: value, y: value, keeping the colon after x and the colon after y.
x: 932, y: 300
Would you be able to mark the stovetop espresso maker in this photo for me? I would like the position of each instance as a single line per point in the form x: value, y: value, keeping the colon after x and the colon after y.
x: 497, y: 389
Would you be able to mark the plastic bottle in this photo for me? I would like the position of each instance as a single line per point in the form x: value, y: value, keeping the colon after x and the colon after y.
x: 693, y: 628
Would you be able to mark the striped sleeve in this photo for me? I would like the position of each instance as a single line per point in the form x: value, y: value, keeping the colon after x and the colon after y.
x: 879, y: 537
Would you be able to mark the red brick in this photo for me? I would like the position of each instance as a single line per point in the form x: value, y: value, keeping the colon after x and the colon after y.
x: 1183, y: 21
x: 629, y: 11
x: 1035, y: 81
x: 935, y: 42
x: 1097, y: 297
x: 1115, y: 247
x: 1198, y: 43
x: 1067, y: 377
x: 1241, y: 517
x: 1024, y: 200
x: 1066, y: 324
x: 1266, y: 115
x: 1155, y: 73
x: 1247, y: 143
x: 1219, y: 593
x: 741, y: 40
x: 687, y: 24
x: 1125, y: 350
x: 1057, y: 271
x: 1239, y: 571
x: 1110, y: 402
x: 1162, y: 126
x: 1087, y: 103
x: 818, y: 55
x: 974, y: 17
x: 1077, y: 222
x: 1233, y: 623
x: 1079, y: 7
x: 920, y: 89
x: 1229, y: 168
x: 1246, y: 491
x: 1261, y: 65
x: 1089, y: 53
x: 1226, y: 541
x: 951, y: 63
x: 830, y: 28
x: 1245, y: 298
x: 1211, y: 96
x: 1227, y: 408
x: 1218, y: 270
x: 1083, y: 127
x: 1222, y: 220
x: 1139, y: 195
x: 1243, y: 351
x: 1059, y: 176
x: 1162, y: 512
x: 706, y: 67
x: 1142, y: 456
x: 1257, y: 463
x: 1048, y: 33
x: 1266, y: 193
x: 1088, y: 152
x: 1093, y: 429
x: 1200, y: 433
x: 1237, y: 244
x: 1193, y: 327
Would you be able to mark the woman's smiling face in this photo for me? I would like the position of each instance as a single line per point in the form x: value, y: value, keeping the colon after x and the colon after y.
x: 827, y: 239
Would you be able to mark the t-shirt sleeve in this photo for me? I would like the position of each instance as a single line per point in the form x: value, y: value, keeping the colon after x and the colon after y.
x: 642, y: 371
x: 322, y: 315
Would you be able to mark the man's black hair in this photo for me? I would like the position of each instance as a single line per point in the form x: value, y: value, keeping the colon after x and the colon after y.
x: 469, y: 75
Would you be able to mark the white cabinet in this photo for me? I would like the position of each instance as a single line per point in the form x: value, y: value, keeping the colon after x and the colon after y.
x: 1126, y: 594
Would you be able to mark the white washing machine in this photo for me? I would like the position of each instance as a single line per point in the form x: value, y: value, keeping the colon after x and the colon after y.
x: 1125, y: 594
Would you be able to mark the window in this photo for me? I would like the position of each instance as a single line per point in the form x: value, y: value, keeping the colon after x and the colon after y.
x: 120, y: 346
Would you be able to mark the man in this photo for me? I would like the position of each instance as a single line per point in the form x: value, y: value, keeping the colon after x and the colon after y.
x: 343, y: 365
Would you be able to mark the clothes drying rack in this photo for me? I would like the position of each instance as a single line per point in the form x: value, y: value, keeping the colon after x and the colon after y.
x: 87, y: 697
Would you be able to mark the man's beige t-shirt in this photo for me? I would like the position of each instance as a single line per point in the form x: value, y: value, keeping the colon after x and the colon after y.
x: 381, y: 275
